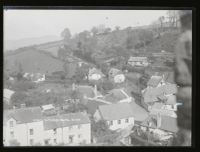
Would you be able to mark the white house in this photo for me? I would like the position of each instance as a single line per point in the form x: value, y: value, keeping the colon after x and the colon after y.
x: 116, y: 75
x: 28, y: 126
x: 117, y: 116
x: 72, y: 129
x: 24, y: 126
x: 95, y: 74
x: 7, y: 94
x: 138, y: 61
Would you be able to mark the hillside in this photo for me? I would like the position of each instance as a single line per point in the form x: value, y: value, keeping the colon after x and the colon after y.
x: 166, y: 41
x: 15, y: 44
x: 51, y: 47
x: 32, y: 60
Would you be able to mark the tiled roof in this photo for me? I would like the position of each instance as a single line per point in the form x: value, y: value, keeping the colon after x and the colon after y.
x: 140, y: 114
x: 7, y: 93
x: 154, y: 81
x: 167, y: 123
x: 65, y: 120
x: 152, y: 94
x: 116, y: 111
x: 24, y: 115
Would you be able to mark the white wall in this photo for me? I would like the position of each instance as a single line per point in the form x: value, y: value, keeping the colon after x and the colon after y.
x: 94, y: 77
x: 122, y: 125
x: 21, y: 132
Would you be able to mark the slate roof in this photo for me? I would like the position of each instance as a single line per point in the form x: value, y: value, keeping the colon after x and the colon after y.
x: 152, y: 94
x: 116, y: 111
x: 154, y: 81
x: 7, y: 93
x: 167, y: 123
x: 65, y: 120
x: 140, y: 114
x: 24, y: 115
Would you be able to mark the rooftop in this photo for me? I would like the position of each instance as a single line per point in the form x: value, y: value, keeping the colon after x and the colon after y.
x: 154, y: 81
x: 7, y: 93
x: 115, y: 95
x: 24, y: 115
x: 65, y: 120
x: 116, y: 111
x: 167, y: 123
x: 132, y: 59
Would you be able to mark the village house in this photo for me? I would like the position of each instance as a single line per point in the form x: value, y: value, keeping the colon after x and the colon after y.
x: 87, y: 91
x: 118, y: 116
x: 163, y: 127
x: 159, y: 94
x: 95, y: 74
x: 24, y: 125
x: 116, y: 75
x: 35, y: 77
x: 138, y: 61
x: 155, y: 81
x: 70, y: 129
x: 48, y: 109
x: 7, y: 94
x: 29, y: 127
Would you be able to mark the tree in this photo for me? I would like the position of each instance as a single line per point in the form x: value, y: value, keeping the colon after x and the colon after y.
x: 18, y: 98
x: 117, y: 28
x: 65, y: 34
x: 161, y: 20
x: 94, y: 31
x: 173, y: 17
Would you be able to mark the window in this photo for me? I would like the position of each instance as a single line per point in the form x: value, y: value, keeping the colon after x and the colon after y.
x: 119, y: 121
x: 127, y: 120
x: 31, y: 141
x: 111, y: 123
x: 70, y: 127
x: 55, y: 141
x: 11, y: 123
x: 71, y: 137
x: 31, y: 131
x: 12, y: 134
x: 55, y: 130
x: 79, y: 126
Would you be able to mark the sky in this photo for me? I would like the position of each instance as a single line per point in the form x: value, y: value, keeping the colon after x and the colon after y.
x: 20, y: 24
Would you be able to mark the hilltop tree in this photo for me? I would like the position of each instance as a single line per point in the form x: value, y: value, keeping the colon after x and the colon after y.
x: 66, y: 35
x: 161, y: 20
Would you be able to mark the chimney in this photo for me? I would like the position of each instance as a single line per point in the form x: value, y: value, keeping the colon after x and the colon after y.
x: 95, y: 91
x: 159, y: 120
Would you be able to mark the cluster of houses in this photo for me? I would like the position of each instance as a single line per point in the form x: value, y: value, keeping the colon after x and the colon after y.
x: 156, y: 111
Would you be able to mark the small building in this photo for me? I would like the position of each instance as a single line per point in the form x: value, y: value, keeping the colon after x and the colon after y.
x: 155, y: 81
x: 116, y: 75
x: 7, y: 94
x: 152, y: 95
x: 70, y: 129
x: 35, y: 77
x: 48, y: 109
x: 24, y: 125
x: 138, y: 61
x: 163, y: 127
x: 117, y: 116
x: 95, y: 74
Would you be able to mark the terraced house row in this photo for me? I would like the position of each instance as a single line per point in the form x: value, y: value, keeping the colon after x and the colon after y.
x: 28, y: 126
